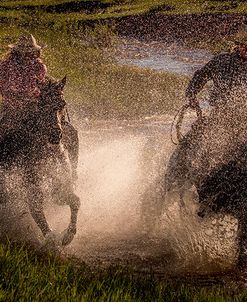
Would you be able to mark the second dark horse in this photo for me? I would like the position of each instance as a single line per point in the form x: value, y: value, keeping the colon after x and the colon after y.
x: 35, y: 147
x: 212, y: 158
x: 209, y: 163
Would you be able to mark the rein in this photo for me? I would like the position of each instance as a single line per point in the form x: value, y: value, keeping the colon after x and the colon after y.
x: 68, y: 115
x: 178, y: 120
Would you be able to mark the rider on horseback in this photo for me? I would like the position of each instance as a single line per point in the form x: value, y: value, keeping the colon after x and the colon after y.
x: 21, y: 72
x: 228, y: 71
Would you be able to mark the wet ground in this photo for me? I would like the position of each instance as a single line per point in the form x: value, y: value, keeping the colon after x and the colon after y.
x: 118, y: 163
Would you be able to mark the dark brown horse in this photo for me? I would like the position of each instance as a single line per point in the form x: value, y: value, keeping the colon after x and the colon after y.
x: 35, y: 147
x: 212, y: 158
x: 211, y: 162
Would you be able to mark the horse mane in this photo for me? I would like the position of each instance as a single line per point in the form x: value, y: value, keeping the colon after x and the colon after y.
x: 49, y: 87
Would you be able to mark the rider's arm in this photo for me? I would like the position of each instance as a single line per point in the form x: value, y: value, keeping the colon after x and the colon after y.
x: 200, y: 78
x: 41, y: 71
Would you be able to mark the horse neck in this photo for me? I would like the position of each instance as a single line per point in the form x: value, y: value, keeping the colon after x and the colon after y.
x: 31, y: 127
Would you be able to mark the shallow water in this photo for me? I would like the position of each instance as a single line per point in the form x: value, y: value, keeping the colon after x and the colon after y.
x: 118, y: 162
x: 171, y: 58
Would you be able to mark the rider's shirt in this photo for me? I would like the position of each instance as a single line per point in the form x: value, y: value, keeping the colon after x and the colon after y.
x: 19, y: 81
x: 229, y: 75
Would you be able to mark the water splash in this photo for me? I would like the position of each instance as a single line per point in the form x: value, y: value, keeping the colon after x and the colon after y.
x: 116, y: 166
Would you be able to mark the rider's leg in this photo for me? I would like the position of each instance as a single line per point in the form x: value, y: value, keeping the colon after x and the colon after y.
x: 6, y: 123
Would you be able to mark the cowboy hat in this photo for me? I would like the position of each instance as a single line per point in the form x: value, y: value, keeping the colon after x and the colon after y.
x: 26, y: 43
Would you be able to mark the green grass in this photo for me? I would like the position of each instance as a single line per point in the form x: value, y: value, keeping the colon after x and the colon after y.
x: 184, y: 6
x: 28, y: 275
x: 96, y: 82
x: 12, y: 3
x: 35, y: 10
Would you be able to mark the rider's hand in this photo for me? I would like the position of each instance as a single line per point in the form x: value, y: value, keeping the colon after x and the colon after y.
x: 35, y: 92
x: 193, y: 102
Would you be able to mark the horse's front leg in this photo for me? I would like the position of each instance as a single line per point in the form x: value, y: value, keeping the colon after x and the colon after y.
x: 74, y: 203
x: 63, y: 194
x: 35, y: 200
x: 151, y: 207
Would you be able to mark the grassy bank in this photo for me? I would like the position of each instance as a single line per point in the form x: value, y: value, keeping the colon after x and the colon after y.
x: 80, y: 36
x: 82, y: 10
x: 30, y: 276
x: 99, y: 86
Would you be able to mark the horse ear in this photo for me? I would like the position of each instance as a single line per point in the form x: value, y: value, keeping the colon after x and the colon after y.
x: 62, y: 83
x: 46, y: 84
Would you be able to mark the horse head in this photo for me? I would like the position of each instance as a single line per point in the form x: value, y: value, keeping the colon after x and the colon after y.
x: 51, y: 109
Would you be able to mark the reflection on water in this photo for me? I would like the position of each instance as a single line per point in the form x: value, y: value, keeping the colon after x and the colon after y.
x: 158, y: 56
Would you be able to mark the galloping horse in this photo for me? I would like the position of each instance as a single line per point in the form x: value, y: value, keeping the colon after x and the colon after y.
x: 210, y: 161
x: 35, y: 147
x: 212, y: 158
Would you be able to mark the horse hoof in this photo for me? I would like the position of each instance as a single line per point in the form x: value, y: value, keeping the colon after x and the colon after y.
x: 52, y: 242
x: 68, y: 237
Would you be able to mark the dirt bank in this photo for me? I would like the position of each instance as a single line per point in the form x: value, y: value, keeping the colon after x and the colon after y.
x: 180, y: 28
